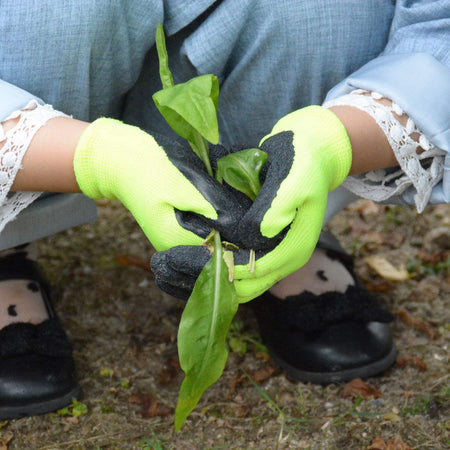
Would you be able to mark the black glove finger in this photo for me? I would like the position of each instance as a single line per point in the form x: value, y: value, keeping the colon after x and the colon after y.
x: 281, y: 152
x: 176, y: 270
x: 187, y: 260
x: 174, y: 291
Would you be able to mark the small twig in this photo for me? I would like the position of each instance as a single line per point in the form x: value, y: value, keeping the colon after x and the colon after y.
x: 439, y: 381
x: 78, y: 441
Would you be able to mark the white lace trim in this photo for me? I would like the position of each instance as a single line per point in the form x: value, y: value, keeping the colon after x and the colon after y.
x: 16, y: 142
x: 421, y: 162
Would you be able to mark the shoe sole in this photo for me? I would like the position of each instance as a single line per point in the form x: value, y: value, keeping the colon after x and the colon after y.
x: 34, y: 409
x: 343, y: 375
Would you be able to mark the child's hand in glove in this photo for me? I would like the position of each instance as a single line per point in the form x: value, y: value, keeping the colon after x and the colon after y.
x: 162, y: 183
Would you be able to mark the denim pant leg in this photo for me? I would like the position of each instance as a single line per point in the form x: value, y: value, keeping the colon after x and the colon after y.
x: 271, y: 58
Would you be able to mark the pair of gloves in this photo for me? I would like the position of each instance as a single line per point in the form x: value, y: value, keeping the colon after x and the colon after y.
x: 177, y: 203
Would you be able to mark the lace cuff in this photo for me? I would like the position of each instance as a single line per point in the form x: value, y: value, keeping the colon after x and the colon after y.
x: 15, y: 144
x: 420, y: 162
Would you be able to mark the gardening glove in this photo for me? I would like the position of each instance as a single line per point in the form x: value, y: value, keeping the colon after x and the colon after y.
x: 309, y: 155
x: 162, y: 183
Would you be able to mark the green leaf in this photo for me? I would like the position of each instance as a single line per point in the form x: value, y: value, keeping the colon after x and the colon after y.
x: 191, y: 107
x: 241, y: 170
x: 77, y: 409
x: 164, y: 71
x: 202, y: 332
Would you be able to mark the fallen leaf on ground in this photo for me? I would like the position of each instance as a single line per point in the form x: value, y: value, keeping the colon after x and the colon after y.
x: 257, y: 376
x: 357, y: 388
x: 261, y: 356
x: 435, y: 257
x: 418, y: 324
x: 72, y: 420
x: 4, y: 441
x: 234, y: 382
x: 171, y: 370
x: 240, y: 410
x: 394, y: 443
x: 263, y: 374
x: 378, y: 286
x: 392, y: 417
x: 149, y: 406
x: 412, y: 361
x: 134, y: 261
x: 386, y: 270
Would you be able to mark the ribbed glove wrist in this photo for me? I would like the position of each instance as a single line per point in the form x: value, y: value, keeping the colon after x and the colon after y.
x: 100, y: 155
x: 319, y: 129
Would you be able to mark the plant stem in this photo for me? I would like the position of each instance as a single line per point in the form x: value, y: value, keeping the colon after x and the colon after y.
x: 218, y: 250
x: 200, y: 147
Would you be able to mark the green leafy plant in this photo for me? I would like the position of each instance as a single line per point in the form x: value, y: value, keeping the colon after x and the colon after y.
x: 77, y: 409
x: 191, y: 110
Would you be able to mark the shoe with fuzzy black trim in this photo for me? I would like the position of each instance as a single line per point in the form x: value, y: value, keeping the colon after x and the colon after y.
x: 37, y: 371
x: 330, y: 337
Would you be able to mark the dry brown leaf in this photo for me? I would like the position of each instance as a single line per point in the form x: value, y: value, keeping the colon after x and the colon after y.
x: 262, y: 356
x: 72, y: 420
x: 171, y: 370
x: 392, y: 417
x: 4, y: 441
x: 378, y: 286
x: 418, y: 324
x: 234, y: 382
x: 357, y: 387
x: 386, y: 270
x: 258, y: 376
x: 377, y: 444
x: 411, y: 361
x: 263, y: 374
x: 134, y: 261
x: 240, y: 410
x: 394, y: 443
x: 435, y: 257
x: 149, y: 406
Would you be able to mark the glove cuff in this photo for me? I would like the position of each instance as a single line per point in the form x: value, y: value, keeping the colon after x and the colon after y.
x: 337, y: 145
x: 100, y: 157
x: 87, y: 157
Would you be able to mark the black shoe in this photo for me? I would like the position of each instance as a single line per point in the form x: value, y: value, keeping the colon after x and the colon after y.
x: 37, y: 371
x: 330, y: 337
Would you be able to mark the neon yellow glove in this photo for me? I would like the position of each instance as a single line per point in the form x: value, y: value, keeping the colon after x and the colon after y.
x: 309, y: 155
x: 156, y: 179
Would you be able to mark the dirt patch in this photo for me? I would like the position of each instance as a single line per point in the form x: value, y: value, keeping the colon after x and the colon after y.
x: 124, y: 333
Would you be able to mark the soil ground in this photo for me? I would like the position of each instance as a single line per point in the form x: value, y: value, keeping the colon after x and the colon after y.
x: 124, y: 329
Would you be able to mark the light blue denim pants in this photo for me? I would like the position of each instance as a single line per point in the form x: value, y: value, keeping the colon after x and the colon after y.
x: 95, y: 58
